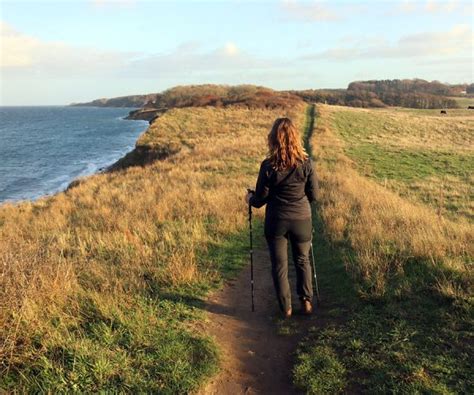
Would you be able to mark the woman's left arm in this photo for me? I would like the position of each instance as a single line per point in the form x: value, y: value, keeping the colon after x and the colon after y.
x: 312, y: 184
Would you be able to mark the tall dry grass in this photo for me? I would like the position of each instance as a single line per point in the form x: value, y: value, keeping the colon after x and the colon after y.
x: 384, y: 233
x: 127, y: 232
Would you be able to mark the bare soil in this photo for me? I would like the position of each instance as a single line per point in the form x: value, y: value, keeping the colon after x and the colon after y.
x: 257, y: 347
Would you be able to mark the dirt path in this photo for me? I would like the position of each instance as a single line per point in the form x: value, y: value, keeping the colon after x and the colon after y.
x: 258, y: 348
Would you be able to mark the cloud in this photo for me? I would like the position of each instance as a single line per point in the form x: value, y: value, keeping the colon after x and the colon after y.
x: 321, y: 10
x: 113, y: 3
x: 309, y: 12
x: 456, y: 62
x: 456, y: 41
x: 417, y: 7
x: 14, y: 48
x: 24, y: 55
x: 187, y: 59
x: 231, y: 49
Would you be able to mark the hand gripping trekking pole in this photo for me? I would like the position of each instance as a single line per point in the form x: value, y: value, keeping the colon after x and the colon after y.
x: 318, y: 301
x: 251, y: 252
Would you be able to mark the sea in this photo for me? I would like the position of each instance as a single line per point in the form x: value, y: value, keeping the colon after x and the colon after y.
x: 44, y: 148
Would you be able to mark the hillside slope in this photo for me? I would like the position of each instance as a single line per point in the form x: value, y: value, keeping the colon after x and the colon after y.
x: 101, y: 286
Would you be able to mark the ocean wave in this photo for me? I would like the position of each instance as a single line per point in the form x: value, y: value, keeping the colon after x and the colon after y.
x: 79, y: 143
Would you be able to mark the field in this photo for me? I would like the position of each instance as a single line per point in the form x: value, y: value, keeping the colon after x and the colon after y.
x: 395, y: 262
x: 419, y: 154
x: 101, y: 286
x: 464, y: 102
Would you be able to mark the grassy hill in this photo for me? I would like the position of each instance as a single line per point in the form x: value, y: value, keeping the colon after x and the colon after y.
x: 100, y: 286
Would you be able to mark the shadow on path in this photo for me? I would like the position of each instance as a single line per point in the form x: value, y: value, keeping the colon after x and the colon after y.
x: 257, y: 348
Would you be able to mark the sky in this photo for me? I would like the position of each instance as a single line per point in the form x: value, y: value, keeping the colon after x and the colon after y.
x: 59, y: 52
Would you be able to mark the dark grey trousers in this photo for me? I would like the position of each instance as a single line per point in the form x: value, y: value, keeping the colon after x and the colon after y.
x: 277, y: 234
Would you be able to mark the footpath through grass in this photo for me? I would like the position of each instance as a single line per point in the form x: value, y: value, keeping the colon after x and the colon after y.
x: 415, y: 341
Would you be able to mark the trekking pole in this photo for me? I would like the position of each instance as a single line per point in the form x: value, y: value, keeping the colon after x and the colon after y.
x: 251, y: 252
x: 318, y: 301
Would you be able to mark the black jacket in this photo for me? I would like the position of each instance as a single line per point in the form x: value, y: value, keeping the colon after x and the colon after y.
x: 288, y: 193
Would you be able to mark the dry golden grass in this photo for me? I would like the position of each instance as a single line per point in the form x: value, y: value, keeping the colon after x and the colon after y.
x: 122, y: 233
x: 385, y: 233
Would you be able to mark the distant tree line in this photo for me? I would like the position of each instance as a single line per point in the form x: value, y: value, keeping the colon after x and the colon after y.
x: 415, y: 85
x: 414, y: 93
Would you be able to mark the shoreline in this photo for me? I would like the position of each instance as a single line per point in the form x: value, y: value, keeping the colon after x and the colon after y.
x: 100, y: 168
x: 140, y: 155
x: 113, y: 166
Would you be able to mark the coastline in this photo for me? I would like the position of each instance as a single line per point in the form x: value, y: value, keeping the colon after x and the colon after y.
x: 117, y: 164
x: 140, y: 155
x: 102, y: 165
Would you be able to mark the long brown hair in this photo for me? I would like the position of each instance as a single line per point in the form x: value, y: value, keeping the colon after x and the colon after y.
x: 284, y: 144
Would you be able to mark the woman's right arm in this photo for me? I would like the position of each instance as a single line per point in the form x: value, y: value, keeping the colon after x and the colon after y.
x: 259, y: 198
x: 312, y: 184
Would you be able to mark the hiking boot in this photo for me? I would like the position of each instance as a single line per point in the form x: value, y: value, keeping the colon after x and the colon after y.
x: 306, y: 307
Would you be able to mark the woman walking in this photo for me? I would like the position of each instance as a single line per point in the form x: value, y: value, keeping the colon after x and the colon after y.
x: 287, y: 184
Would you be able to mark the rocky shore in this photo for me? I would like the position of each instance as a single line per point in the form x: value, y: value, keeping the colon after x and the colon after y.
x: 146, y: 114
x: 141, y: 155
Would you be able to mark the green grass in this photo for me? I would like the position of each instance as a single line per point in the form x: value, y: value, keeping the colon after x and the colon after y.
x: 389, y: 348
x: 320, y: 371
x: 147, y: 348
x: 232, y: 253
x: 413, y: 340
x: 464, y: 102
x: 408, y: 165
x: 424, y: 160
